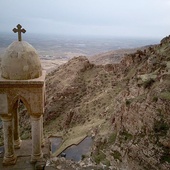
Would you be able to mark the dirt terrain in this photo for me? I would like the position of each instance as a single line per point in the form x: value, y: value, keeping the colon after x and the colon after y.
x: 124, y: 106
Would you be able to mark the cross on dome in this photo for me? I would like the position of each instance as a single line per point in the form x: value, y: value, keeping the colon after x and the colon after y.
x: 20, y: 30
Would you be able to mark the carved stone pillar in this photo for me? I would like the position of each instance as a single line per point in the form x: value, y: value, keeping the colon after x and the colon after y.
x: 42, y: 135
x: 9, y: 156
x: 36, y: 139
x: 17, y: 140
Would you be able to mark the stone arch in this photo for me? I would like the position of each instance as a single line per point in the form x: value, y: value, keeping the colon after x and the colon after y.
x: 19, y: 97
x: 16, y: 117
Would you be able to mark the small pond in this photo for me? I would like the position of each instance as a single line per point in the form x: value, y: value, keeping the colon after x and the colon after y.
x: 55, y: 143
x: 73, y: 152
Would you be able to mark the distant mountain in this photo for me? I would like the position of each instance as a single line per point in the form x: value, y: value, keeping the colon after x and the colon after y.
x: 113, y: 56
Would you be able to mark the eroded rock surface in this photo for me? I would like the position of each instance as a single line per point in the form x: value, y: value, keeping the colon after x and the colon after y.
x: 133, y: 99
x: 123, y: 106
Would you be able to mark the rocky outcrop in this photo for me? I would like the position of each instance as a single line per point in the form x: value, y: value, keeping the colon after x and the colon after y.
x: 141, y: 117
x: 65, y: 86
x: 131, y: 97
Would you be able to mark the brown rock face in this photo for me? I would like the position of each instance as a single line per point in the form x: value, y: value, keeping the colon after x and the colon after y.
x: 131, y: 97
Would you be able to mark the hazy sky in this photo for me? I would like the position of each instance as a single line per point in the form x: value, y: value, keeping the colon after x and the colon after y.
x: 137, y: 18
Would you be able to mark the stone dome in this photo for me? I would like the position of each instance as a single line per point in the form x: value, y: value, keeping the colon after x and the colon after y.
x: 21, y: 62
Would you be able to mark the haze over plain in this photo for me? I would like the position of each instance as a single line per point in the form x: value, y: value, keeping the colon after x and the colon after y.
x: 132, y: 18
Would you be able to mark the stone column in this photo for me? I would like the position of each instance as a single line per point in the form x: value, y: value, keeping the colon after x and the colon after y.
x: 17, y: 140
x: 9, y: 156
x: 36, y: 139
x: 42, y: 135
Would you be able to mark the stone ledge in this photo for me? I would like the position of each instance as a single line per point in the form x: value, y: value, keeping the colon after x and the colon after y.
x: 37, y: 81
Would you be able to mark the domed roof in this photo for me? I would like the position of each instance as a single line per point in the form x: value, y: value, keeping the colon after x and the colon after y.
x: 21, y: 62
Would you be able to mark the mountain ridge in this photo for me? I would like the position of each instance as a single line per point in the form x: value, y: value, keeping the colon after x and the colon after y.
x: 131, y: 99
x: 123, y: 106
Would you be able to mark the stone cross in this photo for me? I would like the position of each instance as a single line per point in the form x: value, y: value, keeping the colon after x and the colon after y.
x: 19, y: 30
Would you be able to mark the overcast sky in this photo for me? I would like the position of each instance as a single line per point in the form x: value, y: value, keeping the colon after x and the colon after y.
x: 132, y: 18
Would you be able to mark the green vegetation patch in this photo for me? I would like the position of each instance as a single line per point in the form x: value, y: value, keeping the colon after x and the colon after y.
x: 139, y: 98
x: 128, y: 102
x: 161, y: 127
x: 106, y: 162
x: 165, y: 156
x: 131, y: 73
x: 155, y: 99
x: 116, y: 155
x: 99, y: 157
x: 124, y: 135
x: 165, y: 95
x: 25, y: 135
x: 112, y: 138
x: 148, y: 83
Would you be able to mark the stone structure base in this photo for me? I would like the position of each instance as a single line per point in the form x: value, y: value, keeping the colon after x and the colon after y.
x: 17, y: 143
x: 35, y: 158
x: 9, y: 161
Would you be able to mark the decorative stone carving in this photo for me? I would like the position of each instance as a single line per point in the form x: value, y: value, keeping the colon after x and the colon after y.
x: 3, y: 104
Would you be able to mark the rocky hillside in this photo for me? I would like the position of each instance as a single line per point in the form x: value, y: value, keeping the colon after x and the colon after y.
x: 124, y: 106
x: 112, y: 57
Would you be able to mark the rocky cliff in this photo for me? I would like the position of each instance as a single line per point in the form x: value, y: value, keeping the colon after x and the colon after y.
x: 140, y: 137
x: 132, y: 98
x: 124, y: 107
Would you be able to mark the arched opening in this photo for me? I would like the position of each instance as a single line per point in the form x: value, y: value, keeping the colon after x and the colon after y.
x: 24, y: 121
x: 21, y: 122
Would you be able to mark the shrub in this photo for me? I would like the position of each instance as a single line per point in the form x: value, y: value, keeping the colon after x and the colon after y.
x: 116, y: 155
x: 112, y: 138
x: 125, y: 135
x: 165, y: 156
x: 128, y: 102
x: 99, y: 157
x: 160, y: 127
x: 148, y: 83
x: 165, y: 95
x: 155, y: 99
